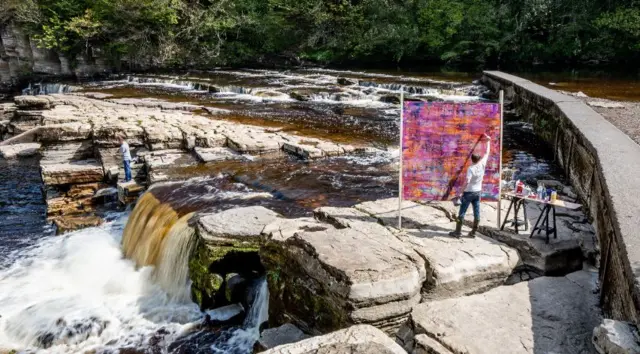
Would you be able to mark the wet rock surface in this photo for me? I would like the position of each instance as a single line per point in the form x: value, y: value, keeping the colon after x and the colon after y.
x: 285, y: 334
x: 616, y: 337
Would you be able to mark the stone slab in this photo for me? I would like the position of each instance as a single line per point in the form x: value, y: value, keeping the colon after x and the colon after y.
x: 545, y: 315
x: 282, y: 229
x: 217, y: 154
x: 285, y: 334
x: 358, y: 277
x: 414, y: 215
x: 361, y: 339
x: 72, y: 172
x: 460, y: 266
x: 238, y: 223
x: 19, y: 150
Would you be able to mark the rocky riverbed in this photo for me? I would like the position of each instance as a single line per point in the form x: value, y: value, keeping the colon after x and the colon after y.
x: 271, y: 202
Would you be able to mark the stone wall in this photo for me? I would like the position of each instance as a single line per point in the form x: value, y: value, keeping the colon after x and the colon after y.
x: 603, y: 165
x: 20, y: 57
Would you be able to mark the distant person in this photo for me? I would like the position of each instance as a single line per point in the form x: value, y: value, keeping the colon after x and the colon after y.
x: 126, y: 158
x: 472, y: 189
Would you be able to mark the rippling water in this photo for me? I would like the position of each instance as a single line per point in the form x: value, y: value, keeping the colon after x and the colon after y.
x: 76, y: 293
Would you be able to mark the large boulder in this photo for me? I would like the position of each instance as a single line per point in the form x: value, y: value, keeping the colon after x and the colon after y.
x: 360, y: 339
x: 545, y: 315
x: 228, y: 242
x: 328, y: 278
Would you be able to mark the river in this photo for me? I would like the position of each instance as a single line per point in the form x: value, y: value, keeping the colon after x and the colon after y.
x: 76, y: 293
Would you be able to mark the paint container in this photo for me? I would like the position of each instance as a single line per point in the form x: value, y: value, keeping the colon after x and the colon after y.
x: 554, y: 196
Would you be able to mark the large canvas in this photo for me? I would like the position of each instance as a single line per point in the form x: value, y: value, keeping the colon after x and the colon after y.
x: 439, y: 139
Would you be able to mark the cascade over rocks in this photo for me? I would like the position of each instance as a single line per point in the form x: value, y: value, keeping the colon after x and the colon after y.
x: 228, y: 242
x: 77, y: 138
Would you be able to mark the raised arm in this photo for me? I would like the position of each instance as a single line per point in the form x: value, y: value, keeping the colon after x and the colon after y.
x: 486, y: 155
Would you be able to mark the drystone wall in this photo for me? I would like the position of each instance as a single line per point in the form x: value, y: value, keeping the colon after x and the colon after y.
x: 603, y: 165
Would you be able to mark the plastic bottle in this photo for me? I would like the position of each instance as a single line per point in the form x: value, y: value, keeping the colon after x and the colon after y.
x: 539, y: 192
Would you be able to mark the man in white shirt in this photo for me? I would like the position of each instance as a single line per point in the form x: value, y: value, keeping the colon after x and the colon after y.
x: 126, y: 158
x: 473, y: 189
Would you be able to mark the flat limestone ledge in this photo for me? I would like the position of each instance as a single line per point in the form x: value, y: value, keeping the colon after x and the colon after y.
x: 560, y: 256
x: 19, y: 150
x: 454, y: 266
x: 217, y: 154
x: 361, y: 339
x: 545, y: 315
x: 457, y: 267
x: 73, y: 172
x: 235, y: 225
x: 165, y: 165
x: 324, y: 278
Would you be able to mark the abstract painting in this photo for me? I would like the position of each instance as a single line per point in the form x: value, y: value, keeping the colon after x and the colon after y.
x: 438, y: 141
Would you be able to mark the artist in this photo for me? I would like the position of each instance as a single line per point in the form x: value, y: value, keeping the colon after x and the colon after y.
x: 472, y: 189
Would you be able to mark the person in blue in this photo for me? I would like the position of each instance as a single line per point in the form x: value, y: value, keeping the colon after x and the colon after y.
x: 126, y: 158
x: 472, y: 190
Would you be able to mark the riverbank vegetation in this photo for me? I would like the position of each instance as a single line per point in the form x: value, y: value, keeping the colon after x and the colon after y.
x: 205, y: 33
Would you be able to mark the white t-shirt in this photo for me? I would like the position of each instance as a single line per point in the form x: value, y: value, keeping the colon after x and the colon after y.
x: 475, y: 173
x: 124, y: 149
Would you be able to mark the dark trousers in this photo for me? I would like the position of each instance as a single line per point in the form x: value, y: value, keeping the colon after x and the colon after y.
x: 472, y: 198
x: 127, y: 171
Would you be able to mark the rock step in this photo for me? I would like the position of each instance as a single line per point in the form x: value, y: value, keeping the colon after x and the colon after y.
x: 360, y: 339
x: 72, y: 172
x: 545, y: 315
x: 454, y: 267
x: 19, y: 150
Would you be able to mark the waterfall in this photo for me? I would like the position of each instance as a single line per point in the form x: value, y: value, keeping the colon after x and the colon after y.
x: 243, y: 339
x: 157, y: 236
x: 172, y: 271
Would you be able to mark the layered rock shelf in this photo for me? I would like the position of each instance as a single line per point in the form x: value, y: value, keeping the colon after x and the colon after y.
x: 349, y: 267
x: 76, y: 137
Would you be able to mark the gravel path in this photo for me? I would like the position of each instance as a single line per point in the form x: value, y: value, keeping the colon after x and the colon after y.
x: 624, y: 115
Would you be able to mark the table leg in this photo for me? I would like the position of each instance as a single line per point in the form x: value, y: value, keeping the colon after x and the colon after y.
x: 546, y: 221
x: 555, y: 227
x: 537, y: 222
x: 515, y: 215
x: 526, y: 223
x: 507, y: 216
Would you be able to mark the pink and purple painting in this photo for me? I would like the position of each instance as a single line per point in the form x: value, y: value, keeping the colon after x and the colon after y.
x: 439, y: 139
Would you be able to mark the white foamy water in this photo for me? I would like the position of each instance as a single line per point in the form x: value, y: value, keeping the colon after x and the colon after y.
x: 243, y: 339
x: 76, y: 292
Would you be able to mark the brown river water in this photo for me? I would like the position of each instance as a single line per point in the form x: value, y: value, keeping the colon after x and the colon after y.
x: 76, y: 293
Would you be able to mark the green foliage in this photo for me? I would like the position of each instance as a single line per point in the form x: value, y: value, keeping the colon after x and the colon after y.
x: 233, y: 32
